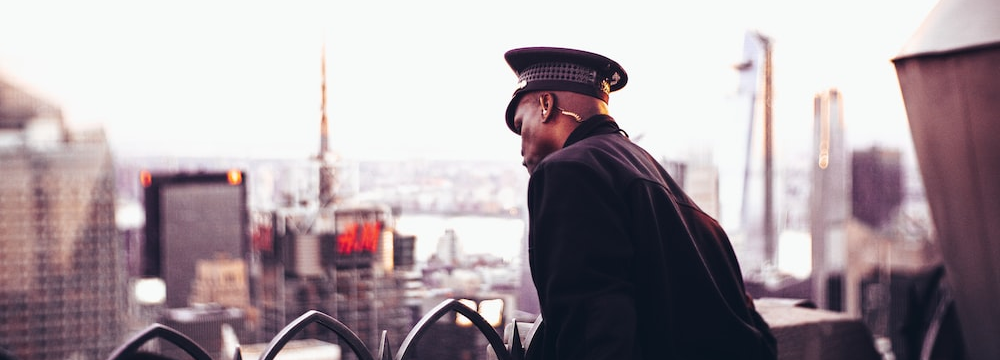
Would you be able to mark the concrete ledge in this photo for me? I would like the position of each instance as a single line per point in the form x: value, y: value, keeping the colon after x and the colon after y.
x: 810, y: 334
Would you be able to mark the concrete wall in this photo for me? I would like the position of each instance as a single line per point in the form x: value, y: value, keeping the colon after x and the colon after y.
x: 811, y: 334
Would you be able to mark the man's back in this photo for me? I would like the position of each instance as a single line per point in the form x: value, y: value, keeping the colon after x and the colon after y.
x: 626, y: 265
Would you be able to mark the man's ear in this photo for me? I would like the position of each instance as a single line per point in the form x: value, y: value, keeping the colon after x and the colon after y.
x: 546, y: 102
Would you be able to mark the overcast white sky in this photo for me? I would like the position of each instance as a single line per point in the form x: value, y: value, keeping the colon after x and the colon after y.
x: 427, y: 79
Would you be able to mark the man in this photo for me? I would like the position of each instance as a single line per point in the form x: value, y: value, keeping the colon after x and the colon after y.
x: 625, y: 264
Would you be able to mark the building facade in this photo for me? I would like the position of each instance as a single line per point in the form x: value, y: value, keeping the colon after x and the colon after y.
x: 62, y: 268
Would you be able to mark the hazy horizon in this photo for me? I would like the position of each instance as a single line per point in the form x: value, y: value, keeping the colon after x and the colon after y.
x: 428, y: 80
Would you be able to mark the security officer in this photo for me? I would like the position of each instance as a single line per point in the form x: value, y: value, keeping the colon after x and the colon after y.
x: 626, y: 265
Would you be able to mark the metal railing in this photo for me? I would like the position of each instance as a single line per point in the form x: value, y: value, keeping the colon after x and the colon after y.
x: 133, y: 348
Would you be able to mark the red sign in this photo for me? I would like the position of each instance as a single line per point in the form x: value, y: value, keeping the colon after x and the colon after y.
x: 356, y: 238
x: 261, y: 238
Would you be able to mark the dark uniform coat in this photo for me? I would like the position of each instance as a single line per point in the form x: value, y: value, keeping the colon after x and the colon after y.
x: 626, y: 265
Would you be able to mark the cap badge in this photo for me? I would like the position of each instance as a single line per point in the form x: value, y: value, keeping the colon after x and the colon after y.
x: 605, y: 87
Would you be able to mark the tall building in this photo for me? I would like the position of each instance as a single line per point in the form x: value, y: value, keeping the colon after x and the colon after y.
x: 747, y: 187
x: 197, y: 242
x: 876, y: 185
x: 449, y: 249
x: 327, y: 174
x: 830, y: 201
x: 192, y: 217
x: 700, y: 180
x: 62, y: 267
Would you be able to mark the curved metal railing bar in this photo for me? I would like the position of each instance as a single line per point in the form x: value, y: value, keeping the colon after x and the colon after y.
x: 516, y: 350
x: 531, y: 332
x: 384, y: 352
x: 164, y: 332
x: 313, y: 316
x: 443, y: 308
x: 517, y: 346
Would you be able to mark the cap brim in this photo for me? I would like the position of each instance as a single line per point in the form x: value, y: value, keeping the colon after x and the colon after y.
x: 511, y: 110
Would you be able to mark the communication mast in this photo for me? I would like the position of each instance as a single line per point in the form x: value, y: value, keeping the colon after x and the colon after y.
x: 326, y: 170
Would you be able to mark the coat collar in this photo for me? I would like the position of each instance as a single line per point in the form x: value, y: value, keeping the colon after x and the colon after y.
x: 599, y: 124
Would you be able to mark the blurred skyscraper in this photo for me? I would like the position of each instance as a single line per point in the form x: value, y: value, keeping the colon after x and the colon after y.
x: 197, y: 243
x: 747, y: 188
x: 62, y: 270
x: 829, y: 200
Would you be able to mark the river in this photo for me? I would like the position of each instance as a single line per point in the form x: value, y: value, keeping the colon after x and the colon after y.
x: 499, y: 236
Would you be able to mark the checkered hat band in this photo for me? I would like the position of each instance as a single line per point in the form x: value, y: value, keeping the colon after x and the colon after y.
x: 559, y: 71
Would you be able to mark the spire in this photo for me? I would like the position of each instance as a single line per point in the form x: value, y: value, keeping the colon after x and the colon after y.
x: 324, y: 136
x: 326, y: 170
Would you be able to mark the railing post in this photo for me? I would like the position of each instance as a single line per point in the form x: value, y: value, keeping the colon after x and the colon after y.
x: 311, y: 316
x: 445, y: 307
x: 516, y: 352
x: 384, y: 352
x: 131, y: 347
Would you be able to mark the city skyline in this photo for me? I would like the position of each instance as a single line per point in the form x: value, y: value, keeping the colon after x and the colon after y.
x: 189, y: 140
x: 410, y: 80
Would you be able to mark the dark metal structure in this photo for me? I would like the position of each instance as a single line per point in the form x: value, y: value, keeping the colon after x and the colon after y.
x: 133, y: 349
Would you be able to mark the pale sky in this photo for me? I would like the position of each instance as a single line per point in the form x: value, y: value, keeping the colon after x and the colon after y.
x: 427, y: 79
